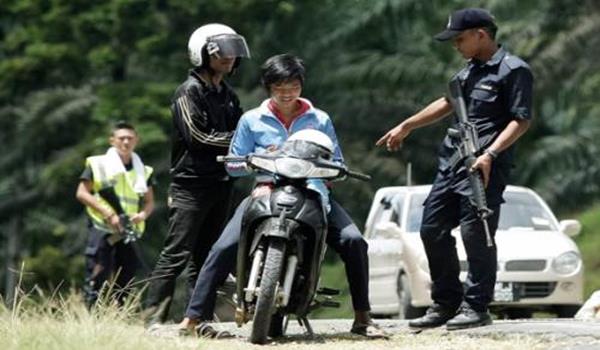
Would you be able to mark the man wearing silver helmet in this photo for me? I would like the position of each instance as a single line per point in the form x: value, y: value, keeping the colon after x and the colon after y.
x: 205, y: 113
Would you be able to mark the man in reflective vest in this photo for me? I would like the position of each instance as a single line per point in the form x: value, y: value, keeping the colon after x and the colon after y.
x: 116, y: 189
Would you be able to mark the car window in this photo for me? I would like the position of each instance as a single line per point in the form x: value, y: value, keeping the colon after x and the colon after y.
x: 397, y: 205
x: 389, y: 210
x: 415, y: 212
x: 523, y: 210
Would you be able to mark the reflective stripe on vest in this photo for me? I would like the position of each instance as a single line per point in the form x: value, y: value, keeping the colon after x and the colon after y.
x: 130, y: 200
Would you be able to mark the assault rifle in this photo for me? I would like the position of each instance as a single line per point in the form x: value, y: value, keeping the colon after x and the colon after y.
x: 129, y: 233
x: 466, y: 141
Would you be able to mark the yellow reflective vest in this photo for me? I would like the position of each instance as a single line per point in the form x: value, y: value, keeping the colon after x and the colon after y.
x: 131, y: 202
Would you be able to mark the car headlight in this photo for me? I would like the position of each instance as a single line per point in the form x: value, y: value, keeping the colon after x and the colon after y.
x: 566, y: 263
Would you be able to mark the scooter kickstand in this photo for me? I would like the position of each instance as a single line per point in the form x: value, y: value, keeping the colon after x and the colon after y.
x: 307, y: 325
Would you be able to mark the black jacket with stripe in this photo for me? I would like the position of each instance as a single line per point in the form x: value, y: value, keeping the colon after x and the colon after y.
x: 204, y: 119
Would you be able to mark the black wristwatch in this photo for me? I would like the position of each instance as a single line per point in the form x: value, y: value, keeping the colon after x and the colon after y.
x: 492, y: 153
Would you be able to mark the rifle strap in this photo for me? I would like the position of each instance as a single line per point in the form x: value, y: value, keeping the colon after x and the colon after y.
x: 454, y: 159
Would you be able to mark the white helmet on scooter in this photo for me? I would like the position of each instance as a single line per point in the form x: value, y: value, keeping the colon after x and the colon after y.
x: 216, y: 39
x: 314, y: 142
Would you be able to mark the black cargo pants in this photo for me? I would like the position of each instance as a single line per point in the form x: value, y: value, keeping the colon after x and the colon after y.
x: 105, y: 261
x: 191, y: 234
x: 445, y: 208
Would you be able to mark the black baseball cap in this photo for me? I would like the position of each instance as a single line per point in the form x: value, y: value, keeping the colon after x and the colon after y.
x: 466, y: 19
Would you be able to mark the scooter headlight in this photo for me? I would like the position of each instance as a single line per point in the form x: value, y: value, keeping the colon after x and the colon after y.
x: 566, y: 263
x: 297, y: 168
x: 293, y: 168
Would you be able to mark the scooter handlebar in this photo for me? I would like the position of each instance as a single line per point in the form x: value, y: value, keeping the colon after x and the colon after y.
x: 349, y: 173
x: 224, y: 159
x: 359, y: 176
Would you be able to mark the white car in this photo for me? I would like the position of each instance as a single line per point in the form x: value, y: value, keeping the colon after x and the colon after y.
x: 539, y: 265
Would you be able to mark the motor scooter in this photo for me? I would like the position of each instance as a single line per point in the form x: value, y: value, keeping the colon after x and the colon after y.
x: 283, y: 240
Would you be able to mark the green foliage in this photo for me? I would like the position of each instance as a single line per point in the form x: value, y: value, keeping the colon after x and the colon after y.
x: 51, y: 266
x: 333, y: 275
x: 588, y: 242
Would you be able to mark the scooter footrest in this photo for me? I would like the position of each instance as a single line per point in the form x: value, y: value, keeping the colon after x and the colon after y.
x: 328, y: 291
x: 330, y: 303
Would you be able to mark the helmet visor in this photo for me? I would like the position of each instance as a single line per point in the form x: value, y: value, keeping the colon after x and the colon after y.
x: 228, y: 45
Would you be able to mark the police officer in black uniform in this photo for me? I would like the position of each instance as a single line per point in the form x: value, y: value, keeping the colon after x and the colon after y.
x: 498, y: 90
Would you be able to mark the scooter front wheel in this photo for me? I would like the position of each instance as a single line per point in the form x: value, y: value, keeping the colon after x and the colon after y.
x: 266, y: 297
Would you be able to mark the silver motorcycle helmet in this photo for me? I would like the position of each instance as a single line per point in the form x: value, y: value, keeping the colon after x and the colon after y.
x: 309, y: 144
x: 218, y: 40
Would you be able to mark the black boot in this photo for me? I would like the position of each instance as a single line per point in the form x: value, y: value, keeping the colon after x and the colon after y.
x: 469, y: 318
x: 435, y: 316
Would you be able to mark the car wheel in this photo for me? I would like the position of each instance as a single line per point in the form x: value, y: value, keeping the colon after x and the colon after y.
x: 566, y: 311
x: 406, y: 310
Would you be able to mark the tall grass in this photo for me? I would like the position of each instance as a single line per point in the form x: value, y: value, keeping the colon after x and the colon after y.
x: 38, y: 321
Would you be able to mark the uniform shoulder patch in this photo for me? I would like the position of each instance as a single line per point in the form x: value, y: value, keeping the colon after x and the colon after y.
x: 514, y: 62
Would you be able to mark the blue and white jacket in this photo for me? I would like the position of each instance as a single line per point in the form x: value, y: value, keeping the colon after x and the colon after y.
x: 260, y: 131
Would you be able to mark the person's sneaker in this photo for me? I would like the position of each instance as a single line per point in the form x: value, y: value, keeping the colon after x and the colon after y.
x: 468, y: 318
x: 435, y: 316
x: 369, y: 330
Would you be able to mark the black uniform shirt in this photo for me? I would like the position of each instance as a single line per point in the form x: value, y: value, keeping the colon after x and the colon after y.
x: 496, y: 92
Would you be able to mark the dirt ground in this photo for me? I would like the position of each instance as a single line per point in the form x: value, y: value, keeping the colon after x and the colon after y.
x: 515, y: 334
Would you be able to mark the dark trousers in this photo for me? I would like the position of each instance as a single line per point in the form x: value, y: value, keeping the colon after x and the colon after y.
x: 105, y: 261
x: 445, y: 209
x: 343, y: 236
x: 191, y: 234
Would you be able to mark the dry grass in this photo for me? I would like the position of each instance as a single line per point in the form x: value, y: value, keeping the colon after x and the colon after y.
x: 37, y: 321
